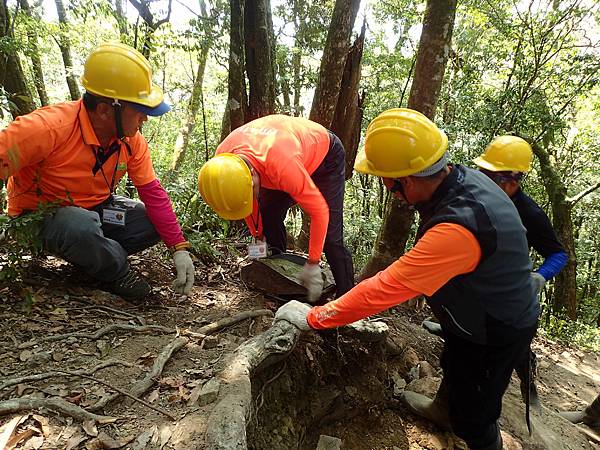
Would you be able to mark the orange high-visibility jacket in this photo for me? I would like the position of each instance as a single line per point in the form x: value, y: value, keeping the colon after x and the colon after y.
x: 285, y: 151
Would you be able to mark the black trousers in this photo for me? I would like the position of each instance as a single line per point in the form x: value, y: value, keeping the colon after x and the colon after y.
x: 329, y: 178
x: 477, y: 376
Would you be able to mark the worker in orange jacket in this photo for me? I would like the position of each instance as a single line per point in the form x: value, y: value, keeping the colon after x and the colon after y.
x: 264, y: 167
x: 471, y: 261
x: 72, y: 155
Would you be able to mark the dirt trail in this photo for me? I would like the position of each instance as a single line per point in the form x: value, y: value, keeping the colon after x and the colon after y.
x: 57, y: 303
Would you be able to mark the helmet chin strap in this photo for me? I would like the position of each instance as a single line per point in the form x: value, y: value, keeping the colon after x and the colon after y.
x: 117, y: 107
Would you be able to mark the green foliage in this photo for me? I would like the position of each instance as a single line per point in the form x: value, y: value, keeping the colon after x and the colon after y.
x: 20, y: 241
x: 573, y: 333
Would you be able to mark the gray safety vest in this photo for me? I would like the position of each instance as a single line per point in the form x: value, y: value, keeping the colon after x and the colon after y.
x: 483, y: 306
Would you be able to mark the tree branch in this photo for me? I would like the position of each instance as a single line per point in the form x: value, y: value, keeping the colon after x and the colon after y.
x: 583, y: 193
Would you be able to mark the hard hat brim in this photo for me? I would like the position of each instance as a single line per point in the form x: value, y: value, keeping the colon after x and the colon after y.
x: 159, y: 110
x: 481, y: 162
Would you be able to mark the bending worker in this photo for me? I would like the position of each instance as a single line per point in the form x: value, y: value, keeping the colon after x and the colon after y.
x: 470, y: 261
x: 265, y: 166
x: 73, y: 154
x: 506, y: 160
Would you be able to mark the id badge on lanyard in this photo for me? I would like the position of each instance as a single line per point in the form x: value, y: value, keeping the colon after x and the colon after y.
x: 114, y: 215
x: 257, y: 249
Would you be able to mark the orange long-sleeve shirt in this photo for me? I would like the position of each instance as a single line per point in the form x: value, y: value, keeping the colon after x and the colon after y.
x: 445, y: 251
x: 48, y: 156
x: 285, y: 151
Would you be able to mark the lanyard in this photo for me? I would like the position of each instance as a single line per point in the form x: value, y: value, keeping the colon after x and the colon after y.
x: 101, y: 159
x: 256, y: 223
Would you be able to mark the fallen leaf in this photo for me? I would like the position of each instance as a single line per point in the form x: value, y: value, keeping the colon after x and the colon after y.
x: 173, y: 382
x: 58, y: 356
x: 13, y: 441
x: 74, y: 441
x: 75, y: 399
x: 143, y: 439
x: 89, y: 426
x: 153, y: 396
x: 34, y: 443
x: 106, y: 442
x: 165, y: 435
x: 25, y: 355
x: 43, y: 424
x: 7, y: 429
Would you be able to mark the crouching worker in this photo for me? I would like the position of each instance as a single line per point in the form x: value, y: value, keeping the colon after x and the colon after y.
x: 73, y: 154
x: 471, y: 262
x: 263, y: 168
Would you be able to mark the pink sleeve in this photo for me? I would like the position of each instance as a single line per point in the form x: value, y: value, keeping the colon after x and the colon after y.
x: 160, y: 212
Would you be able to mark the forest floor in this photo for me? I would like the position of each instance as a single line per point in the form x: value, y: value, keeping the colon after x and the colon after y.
x: 48, y: 328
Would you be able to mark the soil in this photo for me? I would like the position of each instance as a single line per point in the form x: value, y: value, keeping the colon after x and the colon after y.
x: 330, y: 384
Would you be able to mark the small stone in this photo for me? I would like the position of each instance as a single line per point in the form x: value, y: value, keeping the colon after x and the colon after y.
x: 329, y: 443
x: 426, y: 370
x: 209, y: 392
x: 399, y: 384
x: 210, y: 342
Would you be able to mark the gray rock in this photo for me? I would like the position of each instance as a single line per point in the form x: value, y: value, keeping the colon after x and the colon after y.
x: 329, y: 443
x: 209, y: 392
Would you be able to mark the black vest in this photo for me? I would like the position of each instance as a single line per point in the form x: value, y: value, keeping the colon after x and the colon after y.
x: 483, y: 306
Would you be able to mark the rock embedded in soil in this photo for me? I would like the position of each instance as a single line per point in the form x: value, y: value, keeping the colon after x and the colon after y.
x: 329, y: 443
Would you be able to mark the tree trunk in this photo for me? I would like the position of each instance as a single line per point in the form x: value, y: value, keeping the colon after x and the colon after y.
x: 564, y: 298
x: 65, y: 50
x: 348, y: 111
x: 333, y: 61
x: 260, y: 66
x: 237, y: 102
x: 432, y: 55
x: 335, y: 57
x: 181, y: 143
x: 36, y: 62
x: 12, y: 78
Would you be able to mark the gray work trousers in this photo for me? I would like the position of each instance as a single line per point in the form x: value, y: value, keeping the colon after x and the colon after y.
x: 78, y: 236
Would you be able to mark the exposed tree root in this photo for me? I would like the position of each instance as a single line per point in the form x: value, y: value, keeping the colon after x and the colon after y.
x: 58, y: 373
x: 228, y: 321
x: 57, y: 404
x: 98, y: 334
x: 122, y: 392
x: 226, y: 428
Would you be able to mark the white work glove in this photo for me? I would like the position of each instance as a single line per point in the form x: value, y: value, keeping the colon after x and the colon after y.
x: 538, y: 282
x: 312, y: 280
x: 295, y: 313
x: 185, y: 272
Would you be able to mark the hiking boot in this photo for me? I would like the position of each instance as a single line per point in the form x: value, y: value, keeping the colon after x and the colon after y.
x: 534, y: 399
x: 590, y: 415
x: 435, y: 411
x: 130, y: 287
x: 433, y: 327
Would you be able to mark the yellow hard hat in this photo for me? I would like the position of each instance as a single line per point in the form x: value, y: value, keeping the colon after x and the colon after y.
x: 400, y: 142
x: 225, y: 183
x: 118, y: 71
x: 506, y: 154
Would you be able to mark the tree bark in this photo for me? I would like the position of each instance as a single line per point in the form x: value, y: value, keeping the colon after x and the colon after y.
x: 12, y: 78
x: 335, y: 56
x: 36, y: 62
x: 333, y: 61
x: 65, y: 49
x: 260, y: 66
x: 348, y: 114
x: 432, y: 55
x: 237, y: 101
x: 564, y: 298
